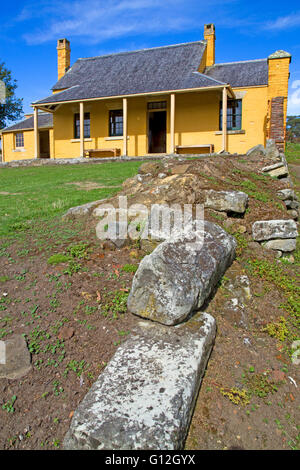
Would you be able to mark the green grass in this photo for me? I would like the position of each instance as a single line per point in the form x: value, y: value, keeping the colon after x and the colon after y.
x: 292, y: 152
x: 41, y: 193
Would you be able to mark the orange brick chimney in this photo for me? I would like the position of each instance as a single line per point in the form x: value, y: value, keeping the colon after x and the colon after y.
x: 63, y: 57
x: 210, y: 37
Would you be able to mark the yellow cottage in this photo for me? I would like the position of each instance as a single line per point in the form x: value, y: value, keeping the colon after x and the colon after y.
x: 171, y: 99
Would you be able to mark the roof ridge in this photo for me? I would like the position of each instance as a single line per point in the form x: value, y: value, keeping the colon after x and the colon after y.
x: 57, y: 93
x: 210, y: 78
x: 238, y: 62
x: 201, y: 41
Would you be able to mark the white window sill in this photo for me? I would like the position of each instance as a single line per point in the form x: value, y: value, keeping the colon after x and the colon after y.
x: 118, y: 137
x: 78, y: 140
x: 239, y: 131
x: 20, y: 149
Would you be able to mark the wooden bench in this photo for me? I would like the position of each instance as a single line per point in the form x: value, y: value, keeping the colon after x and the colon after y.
x: 179, y: 148
x: 114, y: 152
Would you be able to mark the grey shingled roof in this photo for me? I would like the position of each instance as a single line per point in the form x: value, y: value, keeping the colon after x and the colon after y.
x: 45, y: 121
x: 241, y: 74
x: 145, y: 71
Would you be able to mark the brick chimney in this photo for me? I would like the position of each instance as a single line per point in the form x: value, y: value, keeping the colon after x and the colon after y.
x: 210, y: 37
x: 63, y: 57
x: 278, y: 78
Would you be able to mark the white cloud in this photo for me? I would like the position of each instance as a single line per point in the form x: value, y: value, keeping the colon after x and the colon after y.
x: 283, y: 22
x: 294, y: 99
x: 96, y: 21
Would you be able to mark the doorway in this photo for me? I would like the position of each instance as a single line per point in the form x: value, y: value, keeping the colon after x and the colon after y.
x: 157, y: 129
x: 44, y: 144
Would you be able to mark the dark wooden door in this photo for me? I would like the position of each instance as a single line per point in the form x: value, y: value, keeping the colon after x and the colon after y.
x: 157, y: 131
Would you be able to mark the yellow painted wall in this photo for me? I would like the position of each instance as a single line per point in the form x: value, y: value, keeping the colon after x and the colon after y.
x: 12, y: 153
x: 196, y: 123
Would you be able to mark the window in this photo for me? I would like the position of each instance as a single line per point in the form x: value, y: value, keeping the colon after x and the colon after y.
x: 116, y: 123
x: 86, y: 126
x: 19, y: 139
x: 157, y: 105
x: 234, y: 115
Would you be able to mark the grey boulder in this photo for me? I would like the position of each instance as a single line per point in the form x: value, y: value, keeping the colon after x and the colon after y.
x: 271, y: 229
x: 272, y: 151
x: 285, y: 194
x: 227, y: 201
x: 145, y: 397
x: 15, y: 360
x: 288, y: 244
x: 256, y: 152
x: 177, y: 277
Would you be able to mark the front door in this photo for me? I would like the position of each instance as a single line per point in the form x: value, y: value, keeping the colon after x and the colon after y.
x: 44, y: 144
x: 157, y: 131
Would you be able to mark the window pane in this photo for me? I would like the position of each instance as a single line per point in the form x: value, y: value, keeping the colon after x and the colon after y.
x: 157, y: 105
x: 234, y: 115
x: 19, y: 139
x: 116, y: 123
x: 86, y: 125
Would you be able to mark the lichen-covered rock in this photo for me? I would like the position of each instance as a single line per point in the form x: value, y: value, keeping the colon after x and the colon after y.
x: 277, y: 170
x: 285, y: 194
x: 272, y: 229
x: 16, y: 361
x: 145, y: 397
x: 272, y: 151
x: 177, y: 277
x: 256, y: 153
x: 288, y: 244
x: 84, y: 209
x: 226, y: 201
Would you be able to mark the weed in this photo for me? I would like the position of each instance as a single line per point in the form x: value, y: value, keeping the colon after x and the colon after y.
x: 58, y: 258
x: 9, y: 406
x: 278, y: 330
x: 236, y: 396
x: 129, y: 268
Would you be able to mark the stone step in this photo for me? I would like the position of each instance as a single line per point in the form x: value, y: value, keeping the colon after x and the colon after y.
x: 145, y: 397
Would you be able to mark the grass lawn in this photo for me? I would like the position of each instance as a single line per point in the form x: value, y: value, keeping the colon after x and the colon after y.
x: 292, y: 152
x: 28, y: 195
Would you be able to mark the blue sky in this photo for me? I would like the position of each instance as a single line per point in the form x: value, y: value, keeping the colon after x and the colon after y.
x: 244, y: 30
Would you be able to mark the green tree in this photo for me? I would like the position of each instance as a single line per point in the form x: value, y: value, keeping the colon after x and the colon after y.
x: 293, y: 128
x: 12, y: 108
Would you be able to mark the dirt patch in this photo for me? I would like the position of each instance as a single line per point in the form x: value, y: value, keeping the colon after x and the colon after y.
x: 89, y: 185
x: 73, y: 325
x: 5, y: 193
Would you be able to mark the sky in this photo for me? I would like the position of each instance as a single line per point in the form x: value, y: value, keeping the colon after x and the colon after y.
x: 244, y: 30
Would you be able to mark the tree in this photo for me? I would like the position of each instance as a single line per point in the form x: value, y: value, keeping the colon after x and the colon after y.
x: 12, y: 109
x: 293, y: 128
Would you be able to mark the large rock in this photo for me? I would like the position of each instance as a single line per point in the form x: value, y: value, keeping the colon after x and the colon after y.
x: 272, y: 151
x: 15, y: 358
x: 256, y: 153
x: 84, y: 209
x: 227, y: 201
x: 177, y: 277
x: 285, y: 194
x: 145, y: 397
x: 288, y: 244
x: 272, y: 229
x: 277, y: 170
